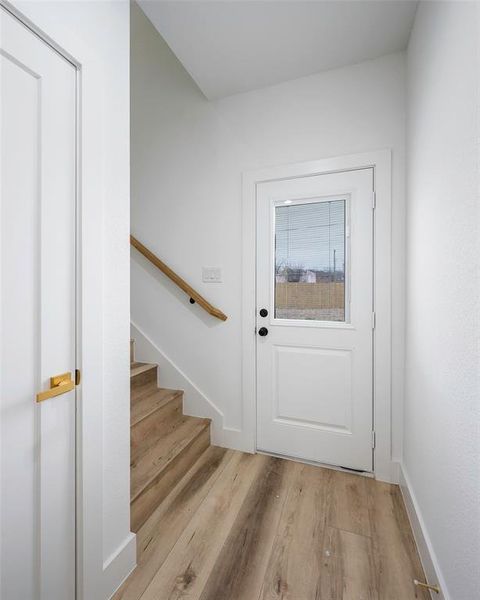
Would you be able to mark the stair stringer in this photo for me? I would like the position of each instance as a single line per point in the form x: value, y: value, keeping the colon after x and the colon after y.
x: 195, y: 402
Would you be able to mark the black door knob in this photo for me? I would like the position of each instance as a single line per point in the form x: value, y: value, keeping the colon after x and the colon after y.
x: 263, y: 331
x: 263, y: 312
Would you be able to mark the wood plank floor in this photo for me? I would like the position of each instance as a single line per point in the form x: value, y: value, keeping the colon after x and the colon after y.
x: 252, y: 527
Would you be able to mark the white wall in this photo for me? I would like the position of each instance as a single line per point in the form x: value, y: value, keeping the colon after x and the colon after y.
x: 188, y: 155
x: 96, y: 34
x: 442, y: 394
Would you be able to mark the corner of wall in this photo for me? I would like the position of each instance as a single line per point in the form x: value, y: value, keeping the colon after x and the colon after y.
x: 428, y: 558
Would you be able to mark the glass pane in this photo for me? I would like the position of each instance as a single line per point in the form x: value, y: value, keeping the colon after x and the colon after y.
x: 310, y: 261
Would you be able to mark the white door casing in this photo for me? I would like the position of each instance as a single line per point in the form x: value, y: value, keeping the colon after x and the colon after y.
x: 314, y: 366
x: 38, y: 194
x: 385, y: 467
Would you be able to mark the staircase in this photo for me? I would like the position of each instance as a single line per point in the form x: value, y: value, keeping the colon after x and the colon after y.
x: 165, y: 443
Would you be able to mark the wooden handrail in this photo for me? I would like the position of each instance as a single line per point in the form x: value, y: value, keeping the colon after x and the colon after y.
x: 182, y: 284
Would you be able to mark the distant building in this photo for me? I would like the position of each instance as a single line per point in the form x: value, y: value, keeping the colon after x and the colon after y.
x: 308, y: 277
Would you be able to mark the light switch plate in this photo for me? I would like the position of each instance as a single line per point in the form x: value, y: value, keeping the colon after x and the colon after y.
x: 211, y: 274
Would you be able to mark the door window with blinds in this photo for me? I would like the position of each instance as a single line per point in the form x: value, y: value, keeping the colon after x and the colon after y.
x: 311, y: 260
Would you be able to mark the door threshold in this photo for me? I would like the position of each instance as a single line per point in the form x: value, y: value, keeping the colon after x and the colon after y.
x: 368, y: 474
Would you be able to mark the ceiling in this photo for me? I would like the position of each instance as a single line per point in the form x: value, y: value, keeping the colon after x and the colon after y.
x: 236, y: 46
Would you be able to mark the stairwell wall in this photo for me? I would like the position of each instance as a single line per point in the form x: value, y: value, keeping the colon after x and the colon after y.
x: 188, y: 155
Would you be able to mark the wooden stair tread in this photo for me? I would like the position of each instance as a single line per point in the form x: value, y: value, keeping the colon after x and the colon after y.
x: 164, y: 443
x: 140, y: 390
x: 152, y: 399
x: 150, y: 465
x: 204, y: 470
x: 136, y: 368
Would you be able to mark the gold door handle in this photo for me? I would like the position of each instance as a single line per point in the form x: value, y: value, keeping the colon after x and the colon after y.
x: 59, y: 384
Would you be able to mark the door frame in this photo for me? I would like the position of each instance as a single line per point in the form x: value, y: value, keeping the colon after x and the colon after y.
x: 380, y: 161
x: 88, y: 308
x: 102, y: 341
x: 36, y: 31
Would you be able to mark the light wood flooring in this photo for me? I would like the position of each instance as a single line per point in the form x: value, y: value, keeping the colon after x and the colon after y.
x: 250, y: 527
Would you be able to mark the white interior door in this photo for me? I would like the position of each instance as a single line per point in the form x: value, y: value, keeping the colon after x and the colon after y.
x: 315, y: 318
x: 37, y: 318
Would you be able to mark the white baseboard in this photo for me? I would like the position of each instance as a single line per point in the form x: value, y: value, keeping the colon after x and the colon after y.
x: 424, y: 544
x: 119, y: 565
x: 195, y: 402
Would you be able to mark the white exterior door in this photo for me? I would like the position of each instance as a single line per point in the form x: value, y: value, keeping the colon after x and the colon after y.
x: 37, y: 318
x: 315, y: 318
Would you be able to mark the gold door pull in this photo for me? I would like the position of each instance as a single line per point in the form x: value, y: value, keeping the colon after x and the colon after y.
x: 59, y: 384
